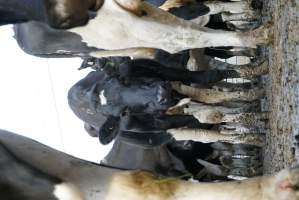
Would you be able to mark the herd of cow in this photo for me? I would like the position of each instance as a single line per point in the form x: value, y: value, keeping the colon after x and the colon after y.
x: 158, y: 91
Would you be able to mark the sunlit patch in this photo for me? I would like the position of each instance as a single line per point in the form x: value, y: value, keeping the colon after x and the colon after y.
x: 60, y: 8
x: 67, y: 191
x: 103, y: 98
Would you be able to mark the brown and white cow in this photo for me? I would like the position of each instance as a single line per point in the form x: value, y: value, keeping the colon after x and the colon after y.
x: 136, y: 28
x: 130, y: 24
x: 118, y: 29
x: 33, y: 171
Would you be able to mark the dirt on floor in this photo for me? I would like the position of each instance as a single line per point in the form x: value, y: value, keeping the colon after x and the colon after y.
x: 283, y: 84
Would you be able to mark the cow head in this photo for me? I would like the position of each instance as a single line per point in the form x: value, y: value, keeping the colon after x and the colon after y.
x: 102, y: 99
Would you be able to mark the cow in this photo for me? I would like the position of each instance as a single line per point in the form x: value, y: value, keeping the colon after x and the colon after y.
x: 142, y: 25
x: 170, y: 158
x: 32, y: 171
x: 77, y: 47
x: 134, y: 96
x: 59, y: 14
x: 161, y: 154
x: 65, y: 44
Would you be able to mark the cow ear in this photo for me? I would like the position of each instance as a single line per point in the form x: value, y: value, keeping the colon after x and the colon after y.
x: 109, y: 130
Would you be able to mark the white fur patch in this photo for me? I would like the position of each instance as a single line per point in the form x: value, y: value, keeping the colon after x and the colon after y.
x: 103, y: 98
x: 238, y: 178
x: 60, y: 8
x: 67, y: 191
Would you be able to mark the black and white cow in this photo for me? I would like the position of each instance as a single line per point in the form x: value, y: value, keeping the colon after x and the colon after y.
x: 141, y: 25
x: 32, y: 171
x: 132, y: 92
x: 65, y: 44
x: 134, y: 96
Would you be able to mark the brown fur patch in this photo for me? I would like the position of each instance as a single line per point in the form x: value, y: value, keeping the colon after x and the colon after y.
x: 144, y: 185
x: 132, y: 7
x: 175, y: 4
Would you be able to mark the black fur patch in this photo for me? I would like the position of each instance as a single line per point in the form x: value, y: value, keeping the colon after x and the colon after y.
x: 20, y: 180
x: 9, y: 17
x: 190, y: 11
x: 109, y: 130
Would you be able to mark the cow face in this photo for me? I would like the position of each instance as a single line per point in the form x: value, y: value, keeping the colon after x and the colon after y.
x: 101, y: 100
x: 100, y: 93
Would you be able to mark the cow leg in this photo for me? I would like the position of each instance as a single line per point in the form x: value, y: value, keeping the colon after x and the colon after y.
x: 210, y: 136
x: 232, y: 7
x: 219, y: 114
x: 247, y: 71
x: 214, y: 96
x: 226, y: 17
x: 242, y: 25
x: 132, y: 52
x: 241, y: 160
x: 228, y: 52
x: 216, y: 38
x: 150, y: 68
x: 249, y: 119
x: 233, y: 87
x: 242, y: 168
x: 213, y: 168
x: 238, y: 168
x: 242, y: 129
x: 186, y: 106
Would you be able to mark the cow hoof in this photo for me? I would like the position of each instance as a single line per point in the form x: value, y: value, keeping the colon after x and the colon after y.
x: 246, y: 172
x: 255, y: 93
x: 260, y: 56
x: 261, y: 35
x: 244, y: 166
x: 251, y: 139
x: 285, y: 185
x: 249, y: 119
x: 250, y: 72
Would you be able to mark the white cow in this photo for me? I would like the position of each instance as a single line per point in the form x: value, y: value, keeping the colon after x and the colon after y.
x: 30, y: 170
